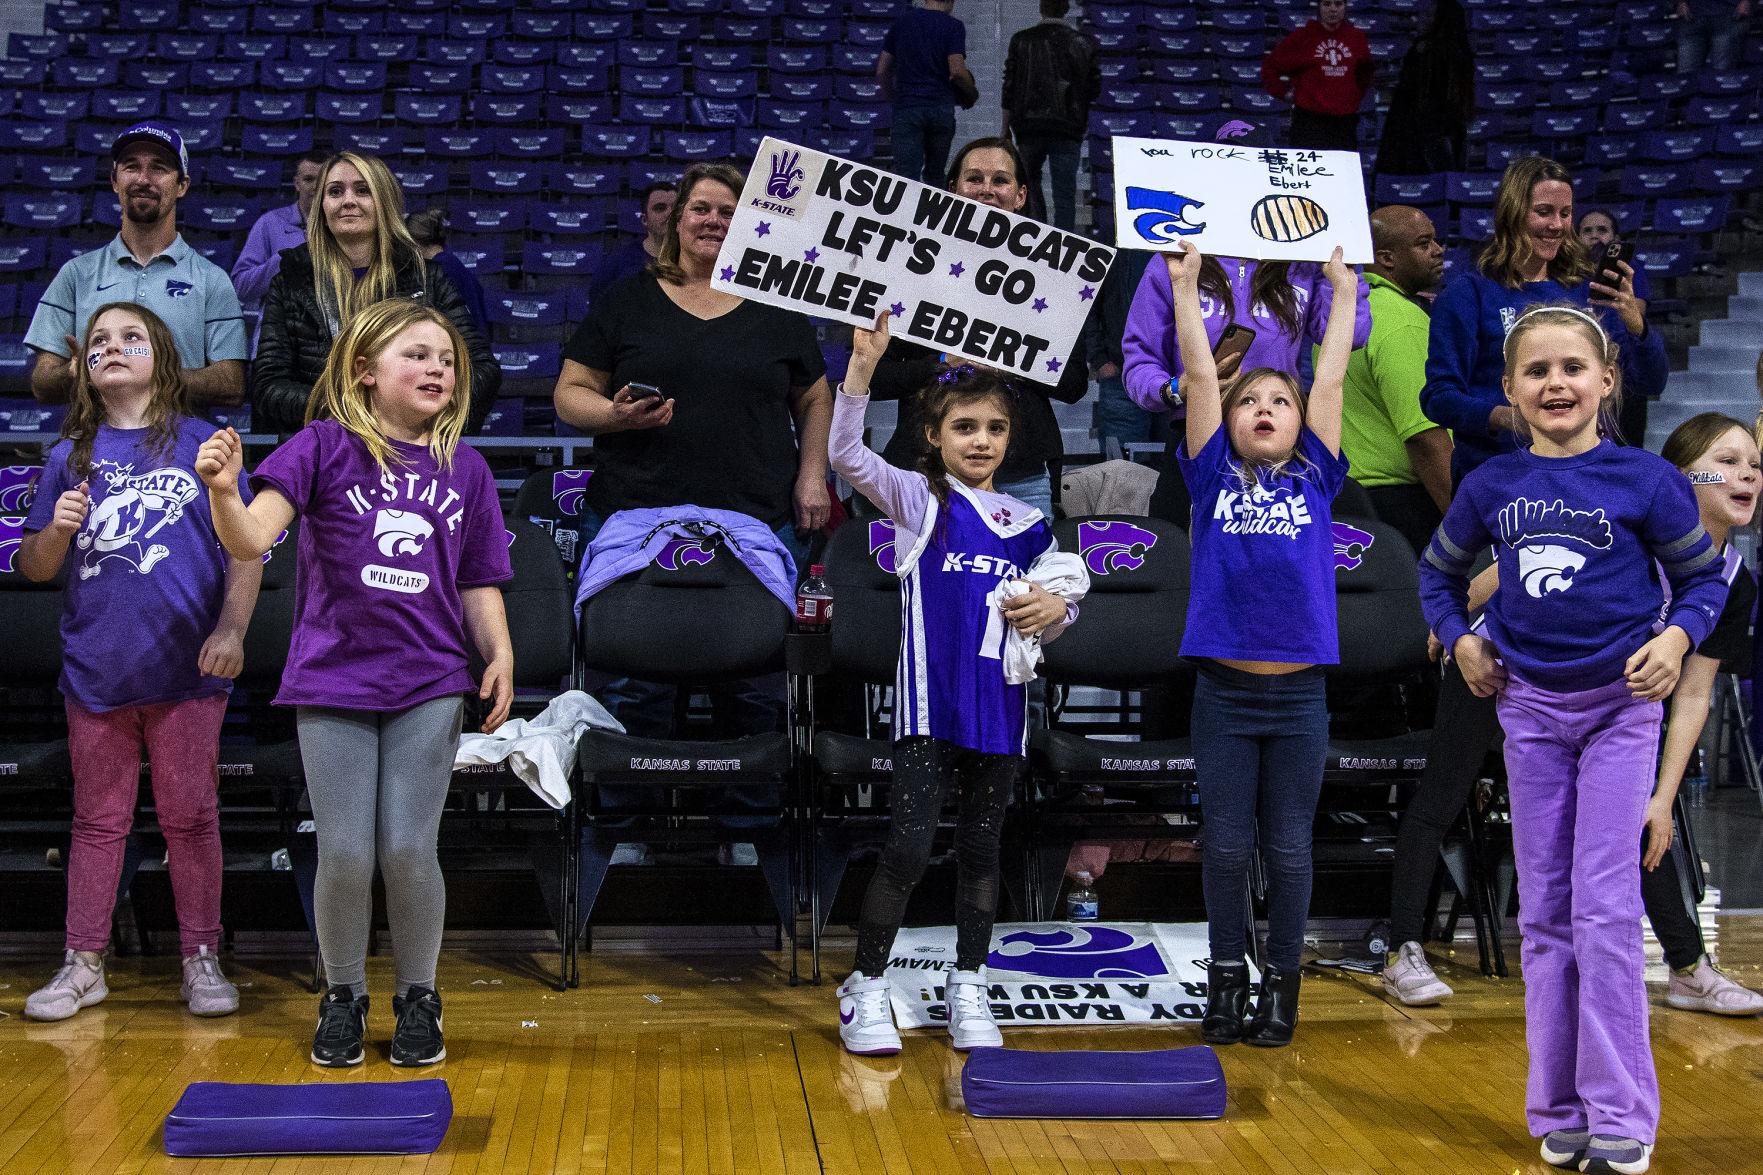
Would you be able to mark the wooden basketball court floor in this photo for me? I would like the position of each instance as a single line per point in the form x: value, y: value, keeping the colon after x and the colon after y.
x: 708, y: 1061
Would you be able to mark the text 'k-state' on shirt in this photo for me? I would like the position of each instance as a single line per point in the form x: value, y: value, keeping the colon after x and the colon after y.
x: 1576, y: 539
x: 949, y: 683
x: 383, y: 556
x: 146, y: 574
x: 1263, y: 561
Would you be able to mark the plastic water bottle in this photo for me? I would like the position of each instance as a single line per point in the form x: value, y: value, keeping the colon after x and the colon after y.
x: 814, y: 602
x: 1695, y: 781
x: 1082, y: 904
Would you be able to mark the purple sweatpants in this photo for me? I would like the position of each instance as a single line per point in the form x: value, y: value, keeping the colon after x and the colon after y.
x: 182, y: 740
x: 1581, y: 768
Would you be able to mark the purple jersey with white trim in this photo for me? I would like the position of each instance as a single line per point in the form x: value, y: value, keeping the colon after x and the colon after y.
x: 950, y: 680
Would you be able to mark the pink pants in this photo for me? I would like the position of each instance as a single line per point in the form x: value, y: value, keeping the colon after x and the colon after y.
x: 183, y: 749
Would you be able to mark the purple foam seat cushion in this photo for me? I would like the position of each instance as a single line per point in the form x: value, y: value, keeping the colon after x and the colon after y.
x: 216, y: 1118
x: 1166, y: 1083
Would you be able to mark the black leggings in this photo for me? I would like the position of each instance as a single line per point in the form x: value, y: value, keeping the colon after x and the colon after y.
x: 922, y: 767
x: 1465, y: 729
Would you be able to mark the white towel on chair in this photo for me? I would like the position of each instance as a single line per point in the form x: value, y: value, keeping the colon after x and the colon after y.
x: 540, y: 751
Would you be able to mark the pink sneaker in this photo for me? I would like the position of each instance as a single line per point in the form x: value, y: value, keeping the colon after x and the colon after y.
x: 1706, y: 988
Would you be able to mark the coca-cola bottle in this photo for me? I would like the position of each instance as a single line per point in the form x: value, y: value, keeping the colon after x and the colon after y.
x: 814, y: 602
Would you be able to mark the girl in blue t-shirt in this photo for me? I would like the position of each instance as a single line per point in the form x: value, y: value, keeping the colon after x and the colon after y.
x: 152, y: 626
x: 1263, y: 467
x: 1576, y: 656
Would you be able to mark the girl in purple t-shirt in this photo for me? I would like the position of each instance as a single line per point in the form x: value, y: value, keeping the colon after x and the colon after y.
x: 153, y: 627
x: 1263, y: 470
x: 401, y: 549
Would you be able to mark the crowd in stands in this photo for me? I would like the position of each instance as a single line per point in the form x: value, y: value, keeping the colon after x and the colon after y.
x: 1504, y: 403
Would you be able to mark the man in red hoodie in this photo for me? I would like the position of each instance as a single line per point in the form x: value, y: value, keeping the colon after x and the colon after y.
x: 1324, y: 68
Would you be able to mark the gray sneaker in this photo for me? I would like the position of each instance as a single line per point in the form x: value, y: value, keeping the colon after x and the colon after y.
x: 1624, y: 1156
x: 1410, y: 979
x: 75, y: 986
x: 205, y: 989
x: 1706, y: 988
x: 1566, y: 1148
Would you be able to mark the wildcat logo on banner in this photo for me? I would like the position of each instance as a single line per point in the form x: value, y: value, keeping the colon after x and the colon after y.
x: 1275, y: 204
x: 1060, y: 973
x: 841, y: 240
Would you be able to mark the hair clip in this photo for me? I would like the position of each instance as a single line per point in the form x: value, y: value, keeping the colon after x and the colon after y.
x: 955, y: 374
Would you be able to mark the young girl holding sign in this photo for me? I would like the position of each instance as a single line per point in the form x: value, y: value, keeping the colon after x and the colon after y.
x: 400, y: 554
x: 960, y: 695
x: 1263, y: 466
x: 1580, y: 526
x: 152, y: 628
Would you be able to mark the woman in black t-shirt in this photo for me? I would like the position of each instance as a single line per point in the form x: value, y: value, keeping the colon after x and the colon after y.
x: 741, y: 422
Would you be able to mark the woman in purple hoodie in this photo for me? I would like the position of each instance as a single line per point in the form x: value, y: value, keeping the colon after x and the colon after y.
x: 1284, y: 303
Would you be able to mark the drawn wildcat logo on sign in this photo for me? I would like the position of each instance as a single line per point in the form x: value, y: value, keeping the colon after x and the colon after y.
x: 1351, y: 545
x: 882, y: 537
x: 1546, y: 536
x: 1107, y: 547
x: 1090, y: 952
x: 1168, y: 219
x: 134, y: 509
x: 18, y: 485
x: 568, y: 487
x: 679, y: 552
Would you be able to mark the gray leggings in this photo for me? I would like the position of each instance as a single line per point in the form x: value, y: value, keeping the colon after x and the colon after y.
x: 377, y: 783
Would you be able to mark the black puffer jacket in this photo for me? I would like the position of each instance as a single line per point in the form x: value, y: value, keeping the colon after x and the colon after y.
x: 295, y: 340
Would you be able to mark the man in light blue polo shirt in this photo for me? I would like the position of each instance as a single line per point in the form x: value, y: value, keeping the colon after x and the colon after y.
x: 150, y: 264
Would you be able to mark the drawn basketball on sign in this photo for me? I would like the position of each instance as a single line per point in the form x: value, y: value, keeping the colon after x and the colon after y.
x: 1287, y: 218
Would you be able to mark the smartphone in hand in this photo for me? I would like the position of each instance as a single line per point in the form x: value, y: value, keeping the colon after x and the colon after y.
x: 1608, y: 272
x: 1235, y: 340
x: 646, y: 395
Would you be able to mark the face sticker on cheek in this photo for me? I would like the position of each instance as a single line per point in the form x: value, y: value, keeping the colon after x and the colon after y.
x: 1706, y: 477
x: 145, y: 352
x: 93, y: 358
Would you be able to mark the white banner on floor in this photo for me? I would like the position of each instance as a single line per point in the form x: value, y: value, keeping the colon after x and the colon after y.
x: 1046, y: 973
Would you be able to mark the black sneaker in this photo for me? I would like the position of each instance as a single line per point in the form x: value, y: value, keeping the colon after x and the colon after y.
x: 417, y: 1038
x: 342, y: 1027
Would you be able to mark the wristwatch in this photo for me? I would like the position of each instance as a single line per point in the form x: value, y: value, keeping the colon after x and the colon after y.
x: 1169, y: 394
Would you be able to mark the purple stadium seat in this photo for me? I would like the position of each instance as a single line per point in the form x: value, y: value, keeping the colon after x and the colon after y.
x: 507, y: 179
x: 348, y: 108
x: 569, y: 220
x: 1105, y: 124
x: 272, y: 107
x: 810, y: 32
x: 1188, y: 99
x: 1671, y: 85
x: 1650, y: 34
x: 1236, y: 45
x: 1739, y: 140
x: 858, y: 118
x: 1256, y: 102
x: 725, y: 85
x: 451, y: 52
x: 556, y: 259
x: 696, y: 146
x: 633, y: 108
x: 151, y: 75
x: 1410, y: 189
x: 1719, y: 110
x: 417, y: 24
x: 1731, y: 81
x: 1677, y: 146
x: 506, y: 52
x: 791, y: 117
x: 578, y: 79
x: 695, y: 7
x: 1182, y: 72
x: 793, y: 88
x: 281, y: 20
x: 1498, y: 72
x: 1655, y: 180
x: 1563, y: 124
x: 234, y: 173
x: 758, y: 9
x: 660, y: 82
x: 25, y: 47
x: 580, y: 109
x: 507, y: 109
x: 721, y: 57
x: 617, y: 142
x: 41, y: 211
x: 38, y: 173
x: 1174, y: 19
x: 519, y: 143
x: 54, y: 107
x: 72, y: 18
x: 1471, y: 187
x: 348, y: 24
x: 529, y: 360
x: 147, y: 14
x: 16, y: 135
x: 743, y: 30
x: 8, y: 300
x: 1124, y: 97
x: 1663, y: 258
x: 858, y: 90
x: 1637, y: 116
x: 431, y: 79
x: 855, y: 59
x: 586, y: 179
x: 646, y: 54
x: 291, y: 75
x: 870, y: 36
x: 876, y: 9
x: 1118, y: 69
x: 1475, y: 224
x: 542, y: 26
x: 1583, y: 92
x: 226, y: 21
x: 374, y: 140
x: 217, y: 215
x: 812, y: 9
x: 258, y: 48
x: 221, y: 75
x: 186, y: 46
x: 1695, y: 214
x: 1727, y: 175
x: 476, y: 26
x: 499, y: 216
x: 125, y: 105
x: 432, y: 110
x: 480, y: 255
x: 724, y: 113
x: 277, y: 141
x: 1507, y: 97
x: 668, y: 26
x: 589, y: 55
x: 355, y: 77
x: 592, y: 26
x: 1118, y: 40
x: 426, y: 180
x: 104, y: 212
x: 1607, y: 150
x: 202, y: 137
x: 317, y: 50
x: 457, y: 143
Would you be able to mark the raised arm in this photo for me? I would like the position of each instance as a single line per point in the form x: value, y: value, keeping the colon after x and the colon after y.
x: 898, y: 494
x: 1200, y: 377
x: 247, y: 532
x: 1331, y: 361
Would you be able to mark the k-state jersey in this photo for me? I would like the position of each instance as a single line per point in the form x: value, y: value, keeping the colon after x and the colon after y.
x: 950, y: 680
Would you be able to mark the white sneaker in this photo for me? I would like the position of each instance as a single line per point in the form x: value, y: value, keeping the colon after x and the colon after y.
x: 206, y: 991
x: 866, y: 1016
x: 1410, y: 979
x: 75, y: 986
x: 970, y: 1012
x: 1706, y: 988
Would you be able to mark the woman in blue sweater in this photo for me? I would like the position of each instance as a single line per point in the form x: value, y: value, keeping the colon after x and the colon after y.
x: 1534, y: 257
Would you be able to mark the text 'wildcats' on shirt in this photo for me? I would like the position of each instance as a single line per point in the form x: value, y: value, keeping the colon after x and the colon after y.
x: 410, y: 487
x: 981, y: 565
x: 1262, y: 511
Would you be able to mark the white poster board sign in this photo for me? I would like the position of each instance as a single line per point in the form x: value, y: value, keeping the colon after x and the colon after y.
x: 1047, y: 973
x: 1269, y: 203
x: 845, y: 241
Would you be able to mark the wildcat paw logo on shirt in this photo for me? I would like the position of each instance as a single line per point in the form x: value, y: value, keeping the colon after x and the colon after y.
x: 1553, y: 542
x: 1107, y: 547
x: 134, y: 508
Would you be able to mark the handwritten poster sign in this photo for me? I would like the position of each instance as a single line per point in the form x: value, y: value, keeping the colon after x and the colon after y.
x: 1270, y: 203
x: 845, y: 241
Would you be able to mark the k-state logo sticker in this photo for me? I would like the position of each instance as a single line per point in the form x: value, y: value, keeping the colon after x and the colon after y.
x: 1351, y: 545
x: 1113, y: 546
